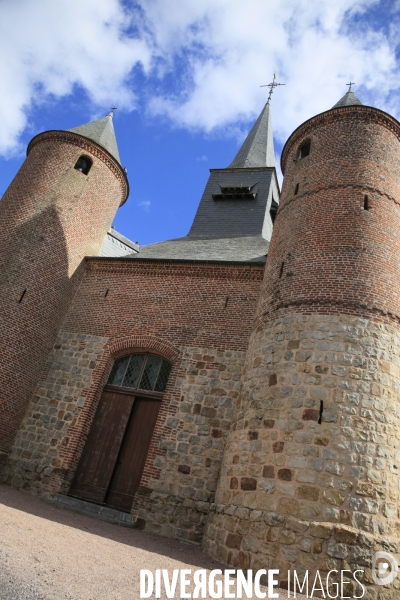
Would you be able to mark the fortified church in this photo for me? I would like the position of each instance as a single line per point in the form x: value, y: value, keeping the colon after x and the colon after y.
x: 237, y: 387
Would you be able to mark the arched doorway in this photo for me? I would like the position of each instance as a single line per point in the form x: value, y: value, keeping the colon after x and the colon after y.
x: 115, y: 452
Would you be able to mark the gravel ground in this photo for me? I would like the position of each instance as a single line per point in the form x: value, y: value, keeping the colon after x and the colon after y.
x: 47, y: 553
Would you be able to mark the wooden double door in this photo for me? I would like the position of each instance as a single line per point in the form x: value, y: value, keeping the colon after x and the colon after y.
x: 115, y: 452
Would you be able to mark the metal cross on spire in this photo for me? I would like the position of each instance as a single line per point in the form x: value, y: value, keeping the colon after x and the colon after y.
x: 350, y: 84
x: 271, y: 86
x: 111, y: 113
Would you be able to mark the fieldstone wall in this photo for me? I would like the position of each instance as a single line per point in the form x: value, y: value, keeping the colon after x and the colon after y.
x: 298, y: 493
x: 179, y: 499
x: 185, y: 456
x: 42, y: 457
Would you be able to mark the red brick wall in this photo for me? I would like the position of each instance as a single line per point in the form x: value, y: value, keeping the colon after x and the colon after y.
x: 165, y: 308
x: 51, y: 217
x: 198, y: 316
x: 195, y: 304
x: 178, y: 304
x: 327, y: 253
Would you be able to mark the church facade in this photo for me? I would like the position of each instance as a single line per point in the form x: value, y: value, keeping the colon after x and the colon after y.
x: 236, y: 387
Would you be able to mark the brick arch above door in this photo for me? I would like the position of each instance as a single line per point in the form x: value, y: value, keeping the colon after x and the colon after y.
x: 114, y: 348
x: 141, y: 343
x: 130, y: 344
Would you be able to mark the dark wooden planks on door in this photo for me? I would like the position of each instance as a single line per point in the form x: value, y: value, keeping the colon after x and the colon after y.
x: 133, y: 454
x: 102, y: 447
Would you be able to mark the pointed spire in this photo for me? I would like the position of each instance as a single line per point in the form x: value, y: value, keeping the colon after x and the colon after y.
x: 348, y: 100
x: 258, y: 148
x: 102, y: 132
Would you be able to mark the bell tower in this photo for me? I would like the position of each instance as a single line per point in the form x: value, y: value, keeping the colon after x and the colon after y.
x: 310, y: 479
x: 56, y: 211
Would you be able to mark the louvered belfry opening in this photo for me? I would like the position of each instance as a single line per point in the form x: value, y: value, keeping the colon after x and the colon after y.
x: 114, y: 456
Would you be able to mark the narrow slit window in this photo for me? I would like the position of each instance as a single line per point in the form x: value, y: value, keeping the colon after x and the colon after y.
x: 273, y: 210
x: 366, y: 202
x: 304, y: 150
x: 83, y: 164
x: 281, y: 271
x: 21, y: 297
x: 321, y: 410
x: 296, y: 189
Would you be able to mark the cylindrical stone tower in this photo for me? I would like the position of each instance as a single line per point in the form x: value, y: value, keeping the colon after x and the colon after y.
x: 56, y: 211
x: 310, y: 479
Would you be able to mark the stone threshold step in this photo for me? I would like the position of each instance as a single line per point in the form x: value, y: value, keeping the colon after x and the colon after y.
x: 93, y: 510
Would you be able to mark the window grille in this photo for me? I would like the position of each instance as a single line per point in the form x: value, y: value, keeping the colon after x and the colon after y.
x: 141, y: 371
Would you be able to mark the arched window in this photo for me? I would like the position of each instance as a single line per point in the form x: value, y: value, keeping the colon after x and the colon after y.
x: 140, y: 371
x: 304, y: 150
x: 83, y: 164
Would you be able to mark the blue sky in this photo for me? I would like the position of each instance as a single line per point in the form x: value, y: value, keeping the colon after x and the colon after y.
x: 185, y: 76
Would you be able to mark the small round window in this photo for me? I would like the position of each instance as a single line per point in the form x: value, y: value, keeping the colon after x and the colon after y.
x: 141, y: 371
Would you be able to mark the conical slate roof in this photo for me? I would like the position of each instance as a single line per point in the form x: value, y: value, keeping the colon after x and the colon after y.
x: 258, y: 148
x: 348, y: 99
x: 102, y: 132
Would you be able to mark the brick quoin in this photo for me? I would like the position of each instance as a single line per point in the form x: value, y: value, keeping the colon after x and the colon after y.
x: 53, y: 216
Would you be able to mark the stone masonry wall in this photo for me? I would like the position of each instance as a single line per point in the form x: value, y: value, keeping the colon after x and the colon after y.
x: 298, y: 493
x: 185, y: 456
x: 197, y: 316
x: 190, y: 453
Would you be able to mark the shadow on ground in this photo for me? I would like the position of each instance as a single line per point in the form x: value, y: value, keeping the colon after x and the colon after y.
x: 171, y: 548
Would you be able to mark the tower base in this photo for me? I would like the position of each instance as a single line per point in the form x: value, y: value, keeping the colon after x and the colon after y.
x: 310, y: 474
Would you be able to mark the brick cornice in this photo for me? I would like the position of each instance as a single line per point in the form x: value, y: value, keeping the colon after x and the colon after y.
x: 358, y: 186
x: 336, y: 307
x: 334, y: 114
x: 90, y: 146
x: 168, y: 267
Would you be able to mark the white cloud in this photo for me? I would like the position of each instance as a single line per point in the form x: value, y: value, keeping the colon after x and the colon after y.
x: 145, y: 205
x: 202, y: 158
x: 218, y: 51
x: 48, y: 47
x: 234, y: 47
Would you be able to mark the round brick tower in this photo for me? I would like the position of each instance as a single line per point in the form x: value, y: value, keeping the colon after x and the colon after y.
x: 56, y: 211
x: 310, y: 478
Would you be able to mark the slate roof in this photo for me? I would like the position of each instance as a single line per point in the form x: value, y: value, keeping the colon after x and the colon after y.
x: 233, y: 218
x: 258, y: 148
x: 102, y: 132
x: 242, y: 249
x: 232, y: 223
x: 348, y: 99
